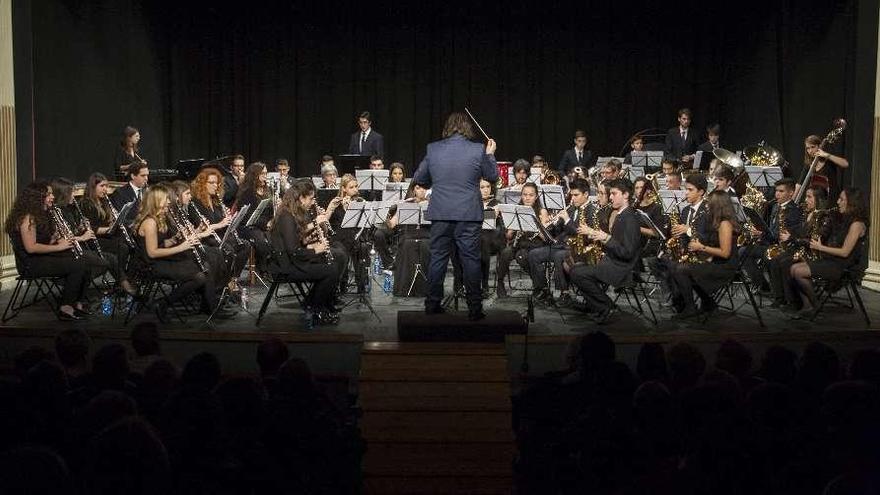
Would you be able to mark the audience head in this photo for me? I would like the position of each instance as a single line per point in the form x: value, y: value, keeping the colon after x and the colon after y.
x: 110, y: 367
x: 865, y: 366
x: 295, y: 379
x: 145, y: 339
x: 72, y: 348
x: 686, y: 365
x: 271, y: 354
x: 127, y: 457
x: 651, y: 363
x: 34, y: 469
x: 596, y: 349
x: 202, y: 372
x: 779, y: 365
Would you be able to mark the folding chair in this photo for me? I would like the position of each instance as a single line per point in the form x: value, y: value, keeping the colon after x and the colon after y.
x: 298, y: 288
x: 849, y: 281
x: 46, y: 288
x: 738, y: 279
x: 636, y: 287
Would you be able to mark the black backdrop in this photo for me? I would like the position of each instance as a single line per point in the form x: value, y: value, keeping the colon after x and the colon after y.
x: 285, y: 79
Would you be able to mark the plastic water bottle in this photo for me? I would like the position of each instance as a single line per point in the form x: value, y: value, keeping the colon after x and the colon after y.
x: 244, y: 298
x: 106, y: 305
x: 388, y: 282
x: 377, y: 263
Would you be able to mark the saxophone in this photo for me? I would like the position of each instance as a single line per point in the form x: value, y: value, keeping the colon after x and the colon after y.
x: 777, y: 248
x: 577, y: 243
x: 594, y: 251
x: 752, y: 199
x: 673, y: 244
x: 694, y: 258
x: 804, y: 253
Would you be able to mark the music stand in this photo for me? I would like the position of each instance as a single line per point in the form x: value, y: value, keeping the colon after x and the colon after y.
x: 552, y: 196
x: 764, y: 176
x: 324, y: 196
x: 395, y: 191
x: 348, y: 164
x: 490, y: 220
x: 535, y: 175
x: 257, y: 212
x: 602, y: 160
x: 738, y: 209
x: 414, y: 214
x: 510, y: 196
x: 645, y: 221
x: 360, y: 215
x: 757, y: 220
x: 671, y: 199
x: 233, y: 224
x: 318, y: 181
x: 633, y: 172
x: 648, y: 160
x: 372, y: 181
x: 230, y: 234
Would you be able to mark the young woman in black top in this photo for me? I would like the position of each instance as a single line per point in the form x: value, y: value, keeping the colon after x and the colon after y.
x: 41, y: 251
x: 127, y: 152
x: 95, y: 207
x: 648, y: 201
x: 843, y: 250
x: 252, y: 190
x: 177, y: 260
x: 412, y: 248
x: 348, y: 193
x: 207, y: 205
x: 520, y: 243
x: 98, y: 264
x: 299, y: 253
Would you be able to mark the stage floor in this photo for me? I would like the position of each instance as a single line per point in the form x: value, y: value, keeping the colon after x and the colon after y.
x: 284, y: 316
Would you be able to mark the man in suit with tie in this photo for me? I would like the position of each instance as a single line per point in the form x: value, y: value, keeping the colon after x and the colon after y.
x: 621, y: 247
x: 366, y: 142
x: 681, y: 141
x: 579, y: 156
x: 138, y: 177
x: 452, y: 168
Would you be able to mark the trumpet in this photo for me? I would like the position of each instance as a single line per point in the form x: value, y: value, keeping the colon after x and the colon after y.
x: 86, y: 225
x: 64, y: 231
x: 195, y: 251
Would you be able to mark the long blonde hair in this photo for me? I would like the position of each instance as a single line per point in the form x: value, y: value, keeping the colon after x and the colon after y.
x: 344, y: 182
x: 151, y: 207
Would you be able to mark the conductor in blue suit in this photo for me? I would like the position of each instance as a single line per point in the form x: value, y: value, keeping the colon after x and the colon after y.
x: 452, y: 168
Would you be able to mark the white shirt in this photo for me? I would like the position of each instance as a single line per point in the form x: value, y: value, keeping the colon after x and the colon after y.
x: 693, y: 211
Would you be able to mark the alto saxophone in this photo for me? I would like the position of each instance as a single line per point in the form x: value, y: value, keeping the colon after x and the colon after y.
x: 776, y: 249
x: 694, y: 258
x: 673, y: 244
x: 805, y: 253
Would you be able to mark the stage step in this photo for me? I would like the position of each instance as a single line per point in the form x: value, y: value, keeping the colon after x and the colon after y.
x: 436, y: 418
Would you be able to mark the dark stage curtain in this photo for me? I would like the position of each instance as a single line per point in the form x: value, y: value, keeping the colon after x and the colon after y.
x: 286, y: 79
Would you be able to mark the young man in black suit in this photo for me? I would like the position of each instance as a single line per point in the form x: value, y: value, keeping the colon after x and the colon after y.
x: 579, y: 156
x: 621, y: 248
x: 713, y: 142
x: 366, y: 141
x: 681, y: 141
x: 138, y: 177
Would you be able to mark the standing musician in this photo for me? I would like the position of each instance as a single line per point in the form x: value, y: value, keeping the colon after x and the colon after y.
x: 299, y: 253
x: 783, y: 215
x: 348, y: 193
x: 127, y: 153
x: 648, y: 202
x: 711, y: 262
x: 844, y: 249
x: 207, y: 191
x: 621, y: 248
x: 179, y: 261
x: 681, y: 141
x: 42, y: 251
x: 366, y: 141
x: 564, y: 225
x: 828, y: 166
x: 815, y: 225
x: 252, y: 190
x: 579, y: 156
x: 520, y: 243
x: 329, y: 175
x: 96, y: 208
x: 453, y: 167
x: 410, y: 240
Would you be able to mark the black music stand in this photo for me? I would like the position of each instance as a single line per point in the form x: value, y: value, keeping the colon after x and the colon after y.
x: 347, y: 164
x: 764, y: 176
x: 360, y: 215
x: 651, y: 161
x: 414, y: 214
x: 509, y: 196
x: 324, y: 196
x: 230, y: 234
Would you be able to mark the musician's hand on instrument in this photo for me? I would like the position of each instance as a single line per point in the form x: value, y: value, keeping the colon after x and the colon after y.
x: 64, y: 244
x: 816, y: 244
x: 318, y: 247
x: 687, y: 158
x: 784, y: 236
x: 679, y: 229
x: 755, y: 232
x: 491, y: 146
x: 821, y: 153
x: 85, y: 236
x: 695, y: 246
x: 223, y: 223
x: 564, y: 216
x: 322, y: 218
x: 583, y: 230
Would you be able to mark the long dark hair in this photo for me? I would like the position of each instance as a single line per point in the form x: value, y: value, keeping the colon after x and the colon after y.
x: 90, y: 195
x: 63, y: 190
x: 393, y: 166
x: 127, y: 133
x: 856, y: 205
x: 721, y: 209
x: 537, y: 206
x: 29, y: 202
x: 820, y: 195
x: 458, y: 123
x: 250, y: 182
x: 290, y: 203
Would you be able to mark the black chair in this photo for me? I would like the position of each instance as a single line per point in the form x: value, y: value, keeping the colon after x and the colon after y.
x: 738, y: 281
x: 298, y: 288
x: 635, y: 290
x: 45, y: 289
x: 849, y: 281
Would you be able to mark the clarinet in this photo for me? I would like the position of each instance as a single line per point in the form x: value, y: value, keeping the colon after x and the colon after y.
x: 194, y: 249
x: 319, y: 232
x: 183, y: 221
x: 328, y: 229
x: 205, y: 223
x: 88, y: 226
x: 64, y: 230
x: 115, y: 213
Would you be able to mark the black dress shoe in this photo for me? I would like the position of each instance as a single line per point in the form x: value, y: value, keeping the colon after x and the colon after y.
x: 68, y: 317
x: 476, y: 315
x: 82, y: 313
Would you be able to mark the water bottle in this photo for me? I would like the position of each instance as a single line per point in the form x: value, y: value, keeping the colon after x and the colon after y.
x: 244, y: 298
x: 106, y: 305
x: 388, y: 282
x: 308, y: 317
x: 377, y: 263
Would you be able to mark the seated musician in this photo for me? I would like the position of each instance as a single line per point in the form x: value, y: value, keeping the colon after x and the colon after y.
x: 611, y: 169
x: 138, y: 177
x: 564, y: 226
x: 673, y: 182
x: 396, y: 173
x: 232, y: 181
x: 648, y: 202
x: 621, y: 252
x: 348, y: 193
x: 520, y: 243
x: 179, y: 261
x: 384, y: 236
x: 282, y: 166
x: 723, y: 178
x: 712, y: 143
x: 412, y: 247
x: 42, y: 251
x: 783, y: 215
x: 183, y: 209
x: 207, y: 191
x: 844, y: 249
x: 711, y: 253
x: 329, y: 176
x: 690, y: 219
x: 538, y: 161
x: 96, y: 208
x: 98, y: 263
x: 252, y: 190
x: 637, y: 144
x: 668, y: 166
x: 816, y: 224
x: 828, y: 166
x: 520, y: 174
x: 300, y: 255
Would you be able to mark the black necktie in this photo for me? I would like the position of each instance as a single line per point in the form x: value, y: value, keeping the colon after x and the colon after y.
x: 138, y: 194
x: 363, y: 140
x: 580, y: 156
